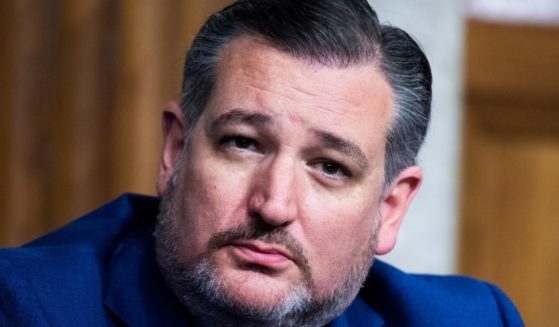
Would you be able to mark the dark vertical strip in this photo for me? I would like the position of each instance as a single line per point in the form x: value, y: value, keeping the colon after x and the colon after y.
x: 29, y: 55
x: 81, y: 127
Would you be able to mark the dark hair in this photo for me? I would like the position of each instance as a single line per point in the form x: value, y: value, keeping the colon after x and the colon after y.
x: 329, y: 32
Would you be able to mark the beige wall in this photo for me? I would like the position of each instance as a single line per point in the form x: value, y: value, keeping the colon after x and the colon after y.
x: 428, y: 237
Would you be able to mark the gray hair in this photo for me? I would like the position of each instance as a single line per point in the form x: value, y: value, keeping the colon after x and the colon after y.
x: 329, y: 32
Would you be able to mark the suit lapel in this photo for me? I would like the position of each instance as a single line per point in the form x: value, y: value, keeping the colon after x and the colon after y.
x: 136, y: 293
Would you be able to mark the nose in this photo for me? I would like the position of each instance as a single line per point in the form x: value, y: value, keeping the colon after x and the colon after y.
x: 274, y: 193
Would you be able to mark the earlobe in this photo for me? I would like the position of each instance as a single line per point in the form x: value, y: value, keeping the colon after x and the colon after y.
x: 394, y: 206
x: 173, y: 125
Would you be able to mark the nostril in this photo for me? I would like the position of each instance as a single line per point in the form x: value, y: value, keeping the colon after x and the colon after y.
x: 261, y: 225
x: 272, y: 211
x: 255, y: 216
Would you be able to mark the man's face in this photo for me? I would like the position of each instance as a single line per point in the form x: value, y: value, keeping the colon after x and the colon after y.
x: 279, y: 192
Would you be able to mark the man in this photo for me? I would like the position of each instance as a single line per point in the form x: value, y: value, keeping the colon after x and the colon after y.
x: 287, y: 167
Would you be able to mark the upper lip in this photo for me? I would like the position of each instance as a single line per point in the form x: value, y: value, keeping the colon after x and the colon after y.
x: 263, y: 247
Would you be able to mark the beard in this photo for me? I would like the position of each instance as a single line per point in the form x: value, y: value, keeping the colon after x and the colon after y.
x: 203, y: 291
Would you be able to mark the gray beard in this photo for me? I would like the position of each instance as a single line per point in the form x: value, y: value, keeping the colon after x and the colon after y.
x: 200, y: 289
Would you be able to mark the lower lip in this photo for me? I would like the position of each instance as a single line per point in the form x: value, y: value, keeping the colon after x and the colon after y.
x: 270, y: 259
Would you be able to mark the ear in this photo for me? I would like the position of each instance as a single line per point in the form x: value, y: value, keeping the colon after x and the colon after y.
x: 394, y: 206
x: 174, y: 128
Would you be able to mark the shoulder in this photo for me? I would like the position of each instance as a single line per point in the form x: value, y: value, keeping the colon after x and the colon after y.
x: 99, y: 230
x: 428, y: 300
x: 65, y: 270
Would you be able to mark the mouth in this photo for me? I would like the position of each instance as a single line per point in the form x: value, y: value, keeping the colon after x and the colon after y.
x: 261, y: 254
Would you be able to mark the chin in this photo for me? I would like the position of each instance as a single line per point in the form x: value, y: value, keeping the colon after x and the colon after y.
x: 259, y: 291
x: 233, y: 297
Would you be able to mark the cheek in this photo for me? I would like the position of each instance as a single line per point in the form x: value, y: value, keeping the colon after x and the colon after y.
x: 339, y: 239
x: 212, y: 201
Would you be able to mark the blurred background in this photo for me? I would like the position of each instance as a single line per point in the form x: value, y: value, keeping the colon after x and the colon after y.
x: 83, y: 83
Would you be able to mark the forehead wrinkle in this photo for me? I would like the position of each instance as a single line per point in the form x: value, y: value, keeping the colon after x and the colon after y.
x: 286, y: 93
x: 240, y: 116
x: 321, y: 107
x: 344, y: 146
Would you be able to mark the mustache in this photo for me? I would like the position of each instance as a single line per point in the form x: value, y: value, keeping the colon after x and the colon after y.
x: 265, y: 233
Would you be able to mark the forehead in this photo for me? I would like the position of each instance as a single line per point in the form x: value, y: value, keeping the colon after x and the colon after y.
x: 353, y: 101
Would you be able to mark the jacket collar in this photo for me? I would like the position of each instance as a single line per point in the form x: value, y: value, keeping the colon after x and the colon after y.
x: 136, y: 293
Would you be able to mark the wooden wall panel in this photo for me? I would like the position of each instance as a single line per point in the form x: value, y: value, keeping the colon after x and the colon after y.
x: 139, y: 102
x: 28, y: 70
x: 510, y: 207
x: 83, y: 86
x: 5, y: 82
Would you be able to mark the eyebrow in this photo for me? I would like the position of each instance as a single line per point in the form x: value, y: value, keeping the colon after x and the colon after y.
x: 328, y: 139
x: 238, y: 116
x: 343, y: 146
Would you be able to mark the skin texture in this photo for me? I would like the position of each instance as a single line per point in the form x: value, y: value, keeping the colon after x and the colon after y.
x: 291, y: 146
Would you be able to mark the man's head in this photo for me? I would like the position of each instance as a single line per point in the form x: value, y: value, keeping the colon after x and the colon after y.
x: 302, y: 122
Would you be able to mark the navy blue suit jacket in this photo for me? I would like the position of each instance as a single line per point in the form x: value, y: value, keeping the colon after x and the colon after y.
x: 100, y: 270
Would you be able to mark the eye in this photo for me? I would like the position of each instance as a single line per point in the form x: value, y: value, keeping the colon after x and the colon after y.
x: 239, y: 142
x: 332, y: 169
